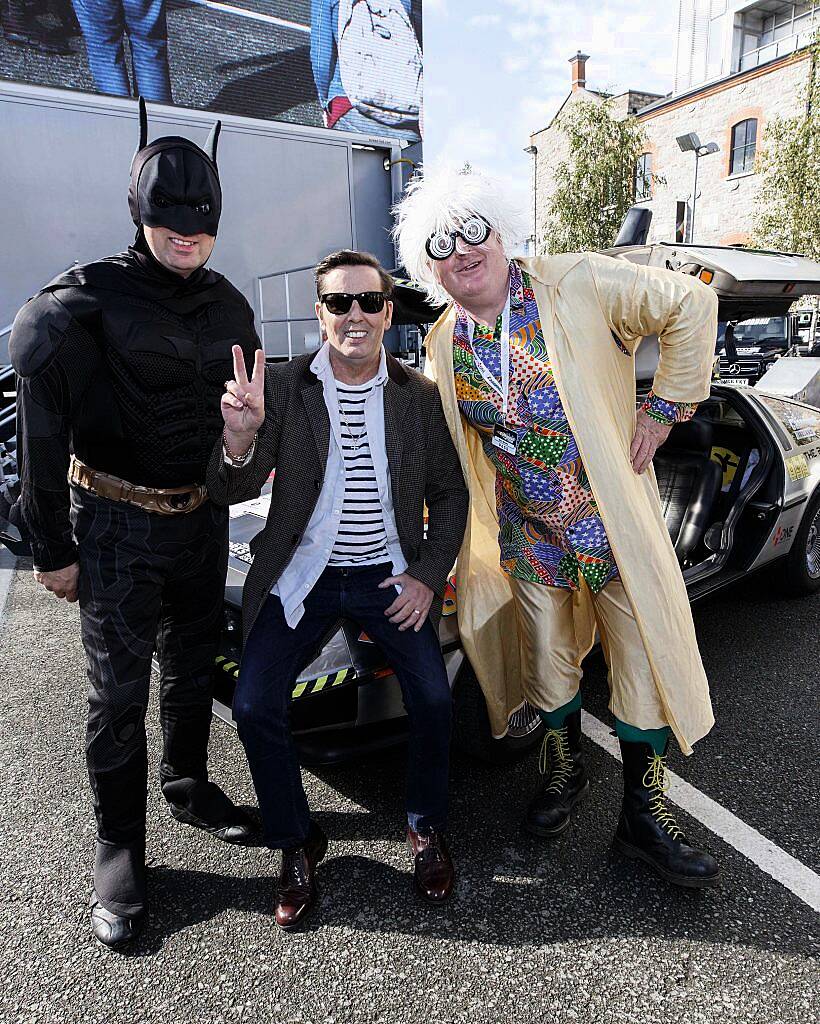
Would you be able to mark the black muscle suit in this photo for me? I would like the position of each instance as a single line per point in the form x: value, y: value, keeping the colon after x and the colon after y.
x: 123, y: 362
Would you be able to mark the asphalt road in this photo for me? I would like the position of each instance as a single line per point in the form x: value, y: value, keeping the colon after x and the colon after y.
x: 559, y: 932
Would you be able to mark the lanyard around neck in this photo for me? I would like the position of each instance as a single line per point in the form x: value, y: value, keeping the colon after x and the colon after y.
x: 502, y: 387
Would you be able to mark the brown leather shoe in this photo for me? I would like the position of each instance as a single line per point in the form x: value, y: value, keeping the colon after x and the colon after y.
x: 434, y: 875
x: 297, y: 892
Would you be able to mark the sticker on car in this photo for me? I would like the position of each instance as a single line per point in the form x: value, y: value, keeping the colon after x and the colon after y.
x: 801, y: 421
x: 798, y: 467
x: 305, y: 687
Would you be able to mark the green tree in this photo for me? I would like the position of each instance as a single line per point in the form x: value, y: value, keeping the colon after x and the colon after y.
x: 595, y: 185
x: 789, y: 163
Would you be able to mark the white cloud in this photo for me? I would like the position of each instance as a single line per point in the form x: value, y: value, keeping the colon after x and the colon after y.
x: 484, y: 20
x: 484, y: 100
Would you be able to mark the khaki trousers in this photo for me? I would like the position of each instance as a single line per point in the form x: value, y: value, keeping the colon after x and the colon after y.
x: 551, y: 661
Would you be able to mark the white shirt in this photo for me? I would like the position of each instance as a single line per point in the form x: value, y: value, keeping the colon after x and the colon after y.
x: 362, y: 538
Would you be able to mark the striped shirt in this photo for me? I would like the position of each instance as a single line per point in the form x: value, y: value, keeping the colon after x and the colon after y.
x: 362, y: 539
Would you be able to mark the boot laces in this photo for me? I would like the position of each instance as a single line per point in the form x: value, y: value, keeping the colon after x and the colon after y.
x: 432, y: 850
x: 555, y: 759
x: 655, y: 780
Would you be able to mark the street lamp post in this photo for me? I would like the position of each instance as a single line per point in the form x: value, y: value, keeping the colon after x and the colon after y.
x: 690, y: 143
x: 533, y: 152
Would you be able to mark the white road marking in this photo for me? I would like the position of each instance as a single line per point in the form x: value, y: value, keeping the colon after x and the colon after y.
x: 762, y: 852
x: 7, y: 563
x: 242, y: 12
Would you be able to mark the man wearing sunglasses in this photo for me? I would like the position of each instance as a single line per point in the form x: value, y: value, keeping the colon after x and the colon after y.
x: 535, y: 363
x: 360, y: 446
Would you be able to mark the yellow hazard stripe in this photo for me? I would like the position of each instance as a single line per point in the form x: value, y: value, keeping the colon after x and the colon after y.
x: 306, y: 687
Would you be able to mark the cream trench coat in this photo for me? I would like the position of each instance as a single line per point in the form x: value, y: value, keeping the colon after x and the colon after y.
x: 582, y: 300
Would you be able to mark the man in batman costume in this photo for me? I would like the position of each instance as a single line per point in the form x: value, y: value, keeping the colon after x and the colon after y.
x: 121, y: 367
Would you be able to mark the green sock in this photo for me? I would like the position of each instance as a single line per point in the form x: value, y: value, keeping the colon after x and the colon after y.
x: 656, y: 738
x: 555, y: 719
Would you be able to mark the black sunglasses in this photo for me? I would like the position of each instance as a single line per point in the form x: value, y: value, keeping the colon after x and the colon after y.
x: 341, y: 302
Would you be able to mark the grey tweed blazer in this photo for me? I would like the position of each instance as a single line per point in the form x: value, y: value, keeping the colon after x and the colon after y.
x: 294, y: 440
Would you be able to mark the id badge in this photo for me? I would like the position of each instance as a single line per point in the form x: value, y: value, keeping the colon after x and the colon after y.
x: 505, y: 440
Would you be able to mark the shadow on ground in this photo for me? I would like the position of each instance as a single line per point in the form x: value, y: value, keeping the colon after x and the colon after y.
x: 513, y: 890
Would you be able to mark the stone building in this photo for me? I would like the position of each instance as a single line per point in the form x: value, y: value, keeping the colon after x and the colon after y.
x: 739, y: 63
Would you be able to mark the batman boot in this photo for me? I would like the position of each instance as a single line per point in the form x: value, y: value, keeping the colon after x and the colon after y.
x: 565, y: 782
x: 647, y: 830
x: 202, y: 804
x: 119, y: 901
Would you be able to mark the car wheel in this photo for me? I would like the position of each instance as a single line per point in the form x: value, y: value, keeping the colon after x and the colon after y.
x: 471, y: 725
x: 800, y: 574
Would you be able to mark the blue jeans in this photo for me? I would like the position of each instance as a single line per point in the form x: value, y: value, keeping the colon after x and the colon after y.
x: 103, y: 23
x: 274, y: 656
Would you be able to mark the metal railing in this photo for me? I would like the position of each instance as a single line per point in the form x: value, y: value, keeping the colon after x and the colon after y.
x: 782, y: 47
x: 288, y: 319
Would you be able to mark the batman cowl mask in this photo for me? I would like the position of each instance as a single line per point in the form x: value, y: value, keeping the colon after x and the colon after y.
x: 174, y: 183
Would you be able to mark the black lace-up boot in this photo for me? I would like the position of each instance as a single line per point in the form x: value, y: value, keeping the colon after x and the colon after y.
x: 565, y: 779
x: 646, y: 828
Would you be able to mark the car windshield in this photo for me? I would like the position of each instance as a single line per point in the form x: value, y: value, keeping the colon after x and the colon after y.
x: 761, y: 329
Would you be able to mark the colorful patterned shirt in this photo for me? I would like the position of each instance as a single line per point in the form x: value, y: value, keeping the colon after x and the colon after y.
x: 550, y: 531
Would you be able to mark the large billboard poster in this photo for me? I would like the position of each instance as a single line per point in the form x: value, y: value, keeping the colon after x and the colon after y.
x: 354, y: 65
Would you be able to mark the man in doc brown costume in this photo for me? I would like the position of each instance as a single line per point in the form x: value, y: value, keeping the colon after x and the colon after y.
x: 534, y: 359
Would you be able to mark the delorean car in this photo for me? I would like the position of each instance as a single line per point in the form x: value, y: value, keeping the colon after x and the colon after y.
x: 740, y: 487
x: 739, y: 483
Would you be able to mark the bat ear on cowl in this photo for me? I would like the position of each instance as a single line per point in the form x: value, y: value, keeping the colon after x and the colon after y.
x: 143, y: 125
x: 212, y: 141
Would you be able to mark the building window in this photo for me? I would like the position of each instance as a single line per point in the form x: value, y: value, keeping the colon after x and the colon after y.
x: 772, y: 28
x: 643, y: 177
x: 744, y: 144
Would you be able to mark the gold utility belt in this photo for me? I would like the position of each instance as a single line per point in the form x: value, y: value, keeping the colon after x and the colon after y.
x: 165, y: 501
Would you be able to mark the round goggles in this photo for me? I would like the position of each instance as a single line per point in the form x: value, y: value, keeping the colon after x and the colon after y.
x: 339, y: 303
x: 474, y: 231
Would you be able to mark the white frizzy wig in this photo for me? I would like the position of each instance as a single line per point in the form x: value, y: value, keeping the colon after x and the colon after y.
x: 441, y: 200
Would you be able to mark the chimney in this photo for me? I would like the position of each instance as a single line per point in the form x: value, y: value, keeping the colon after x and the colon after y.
x: 579, y: 70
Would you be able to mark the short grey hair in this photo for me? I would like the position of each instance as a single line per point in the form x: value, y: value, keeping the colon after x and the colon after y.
x: 441, y: 200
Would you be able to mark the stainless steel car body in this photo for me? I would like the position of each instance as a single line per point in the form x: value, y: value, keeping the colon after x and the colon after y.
x: 755, y: 283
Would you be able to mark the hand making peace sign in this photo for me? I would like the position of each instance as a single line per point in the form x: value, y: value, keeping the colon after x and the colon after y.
x: 243, y: 404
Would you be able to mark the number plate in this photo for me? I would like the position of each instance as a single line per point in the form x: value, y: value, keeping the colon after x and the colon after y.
x: 734, y: 380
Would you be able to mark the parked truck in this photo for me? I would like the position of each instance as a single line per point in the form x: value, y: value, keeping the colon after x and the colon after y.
x: 291, y: 195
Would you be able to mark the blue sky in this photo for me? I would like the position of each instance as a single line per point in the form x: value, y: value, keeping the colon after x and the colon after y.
x: 496, y: 71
